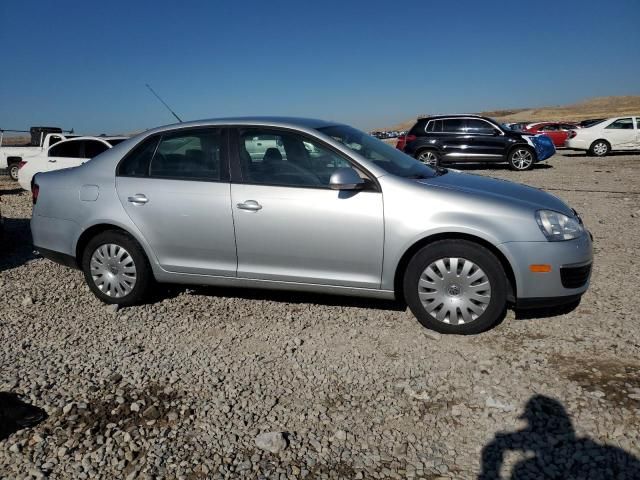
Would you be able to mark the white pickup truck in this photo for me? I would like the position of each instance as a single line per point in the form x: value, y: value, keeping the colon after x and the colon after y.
x: 41, y: 139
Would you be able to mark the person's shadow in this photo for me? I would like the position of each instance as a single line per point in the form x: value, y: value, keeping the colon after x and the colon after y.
x: 555, y: 451
x: 16, y: 414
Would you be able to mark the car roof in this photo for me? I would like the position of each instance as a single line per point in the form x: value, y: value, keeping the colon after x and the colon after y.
x: 453, y: 115
x: 271, y: 121
x: 88, y: 137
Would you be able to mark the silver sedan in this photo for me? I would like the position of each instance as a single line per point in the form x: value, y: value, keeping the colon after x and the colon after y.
x: 310, y: 205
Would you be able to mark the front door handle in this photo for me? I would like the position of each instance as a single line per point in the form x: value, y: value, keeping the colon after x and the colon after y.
x: 250, y: 205
x: 138, y: 199
x: 52, y: 160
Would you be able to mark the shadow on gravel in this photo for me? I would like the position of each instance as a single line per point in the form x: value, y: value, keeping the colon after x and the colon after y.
x: 16, y: 414
x: 554, y: 450
x: 533, y: 313
x: 296, y: 297
x: 610, y: 154
x: 493, y: 166
x: 11, y: 191
x: 15, y: 244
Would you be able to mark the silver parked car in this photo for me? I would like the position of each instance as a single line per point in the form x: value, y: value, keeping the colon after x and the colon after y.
x: 324, y: 208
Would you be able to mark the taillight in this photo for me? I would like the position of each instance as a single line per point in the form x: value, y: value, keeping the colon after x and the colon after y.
x: 21, y: 164
x: 403, y: 140
x: 35, y: 190
x: 572, y: 133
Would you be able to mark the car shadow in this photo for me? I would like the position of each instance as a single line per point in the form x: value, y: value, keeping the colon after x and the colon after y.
x: 545, y: 312
x: 492, y: 166
x: 283, y: 296
x: 15, y: 414
x: 16, y: 248
x: 553, y: 449
x: 11, y: 191
x: 610, y: 154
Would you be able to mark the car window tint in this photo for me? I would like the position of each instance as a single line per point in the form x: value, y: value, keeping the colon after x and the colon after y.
x: 453, y: 125
x: 69, y: 149
x: 191, y: 155
x: 622, y: 124
x: 93, y: 148
x: 566, y: 126
x: 419, y: 128
x: 285, y: 158
x: 549, y: 128
x: 136, y: 162
x: 475, y: 125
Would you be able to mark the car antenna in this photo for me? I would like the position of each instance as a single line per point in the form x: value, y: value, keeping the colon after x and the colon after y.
x: 163, y: 102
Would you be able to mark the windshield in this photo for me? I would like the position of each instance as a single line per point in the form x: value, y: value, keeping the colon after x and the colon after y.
x: 381, y: 154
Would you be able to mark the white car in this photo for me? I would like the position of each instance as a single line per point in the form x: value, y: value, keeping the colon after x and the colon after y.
x: 620, y: 133
x: 65, y: 154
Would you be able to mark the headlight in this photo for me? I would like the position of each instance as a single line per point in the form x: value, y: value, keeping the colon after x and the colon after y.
x: 557, y: 227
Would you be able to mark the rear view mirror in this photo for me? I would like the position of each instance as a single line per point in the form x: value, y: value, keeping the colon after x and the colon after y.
x: 345, y: 179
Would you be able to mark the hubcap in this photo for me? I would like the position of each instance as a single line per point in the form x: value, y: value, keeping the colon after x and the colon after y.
x: 454, y: 290
x: 14, y: 173
x: 113, y: 270
x: 428, y: 158
x: 522, y: 159
x: 600, y: 148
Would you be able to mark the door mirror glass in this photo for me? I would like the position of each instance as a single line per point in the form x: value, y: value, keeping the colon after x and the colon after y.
x: 496, y: 132
x: 346, y: 179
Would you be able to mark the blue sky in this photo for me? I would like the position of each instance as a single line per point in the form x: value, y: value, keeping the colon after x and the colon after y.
x: 83, y: 64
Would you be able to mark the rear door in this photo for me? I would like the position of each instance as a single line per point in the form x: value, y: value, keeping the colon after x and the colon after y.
x: 175, y: 188
x: 64, y: 155
x: 455, y: 140
x: 621, y: 134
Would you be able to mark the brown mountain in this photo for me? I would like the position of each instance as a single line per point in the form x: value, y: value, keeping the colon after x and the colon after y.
x: 600, y: 107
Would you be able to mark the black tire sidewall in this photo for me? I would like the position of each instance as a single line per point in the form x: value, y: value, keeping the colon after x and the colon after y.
x: 513, y: 152
x: 474, y: 252
x: 143, y: 270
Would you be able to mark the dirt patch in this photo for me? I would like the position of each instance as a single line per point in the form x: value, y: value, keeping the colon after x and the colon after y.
x: 616, y: 379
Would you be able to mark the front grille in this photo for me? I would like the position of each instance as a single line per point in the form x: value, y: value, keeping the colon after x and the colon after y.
x: 575, y: 277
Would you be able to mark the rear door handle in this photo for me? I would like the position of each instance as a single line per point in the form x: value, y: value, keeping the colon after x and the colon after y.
x: 53, y: 160
x: 138, y: 199
x: 250, y: 205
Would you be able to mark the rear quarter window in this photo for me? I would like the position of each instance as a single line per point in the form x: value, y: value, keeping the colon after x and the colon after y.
x: 419, y: 128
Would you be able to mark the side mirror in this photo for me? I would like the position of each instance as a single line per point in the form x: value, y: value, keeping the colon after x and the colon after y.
x: 345, y: 179
x: 496, y: 132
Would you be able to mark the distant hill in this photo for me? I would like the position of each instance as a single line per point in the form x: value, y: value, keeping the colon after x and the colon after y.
x: 601, y: 107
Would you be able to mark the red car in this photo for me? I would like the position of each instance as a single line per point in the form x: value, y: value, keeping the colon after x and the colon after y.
x: 557, y: 131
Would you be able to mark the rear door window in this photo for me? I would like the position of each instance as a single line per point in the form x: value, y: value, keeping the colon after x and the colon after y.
x: 622, y: 124
x: 93, y: 148
x: 70, y: 149
x: 453, y: 125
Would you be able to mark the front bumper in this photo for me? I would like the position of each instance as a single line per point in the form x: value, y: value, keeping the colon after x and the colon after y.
x: 568, y: 260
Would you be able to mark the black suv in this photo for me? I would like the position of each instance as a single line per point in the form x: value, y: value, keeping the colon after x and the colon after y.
x: 470, y: 138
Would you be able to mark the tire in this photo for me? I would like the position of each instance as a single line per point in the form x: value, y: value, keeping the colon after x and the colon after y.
x: 599, y: 148
x: 428, y: 157
x: 130, y: 287
x: 521, y: 159
x: 460, y: 303
x: 13, y: 171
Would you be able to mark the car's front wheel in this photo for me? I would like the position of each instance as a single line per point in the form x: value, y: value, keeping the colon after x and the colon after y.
x: 456, y: 286
x: 521, y: 158
x: 599, y: 148
x: 429, y: 157
x: 116, y: 268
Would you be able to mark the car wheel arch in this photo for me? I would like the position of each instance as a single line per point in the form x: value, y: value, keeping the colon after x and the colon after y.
x: 600, y: 140
x: 98, y: 228
x: 521, y: 145
x: 423, y: 242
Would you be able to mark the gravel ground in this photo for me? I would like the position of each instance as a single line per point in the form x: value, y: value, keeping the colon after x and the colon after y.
x: 222, y: 383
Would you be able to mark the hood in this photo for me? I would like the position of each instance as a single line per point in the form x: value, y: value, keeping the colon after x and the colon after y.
x: 514, y: 193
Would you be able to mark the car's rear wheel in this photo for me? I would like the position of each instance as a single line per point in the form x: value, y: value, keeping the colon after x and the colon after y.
x: 599, y: 148
x: 521, y: 158
x: 456, y: 286
x: 429, y: 157
x: 13, y: 171
x: 116, y: 268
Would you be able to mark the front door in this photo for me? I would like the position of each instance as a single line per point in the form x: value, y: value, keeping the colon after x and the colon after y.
x: 290, y: 226
x: 621, y: 134
x: 486, y: 142
x: 175, y: 188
